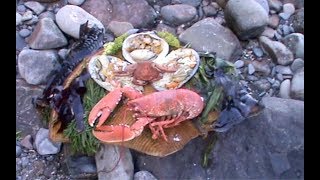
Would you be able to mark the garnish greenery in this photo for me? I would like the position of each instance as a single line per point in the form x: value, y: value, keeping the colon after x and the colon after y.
x: 169, y: 38
x: 112, y: 48
x: 84, y: 142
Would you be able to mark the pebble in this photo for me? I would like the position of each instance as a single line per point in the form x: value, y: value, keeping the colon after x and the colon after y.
x: 24, y: 33
x: 76, y: 2
x: 252, y: 78
x: 286, y: 30
x: 276, y: 84
x: 21, y: 8
x: 288, y: 8
x: 35, y: 6
x: 143, y: 175
x: 279, y: 77
x: 273, y: 21
x: 285, y: 89
x: 297, y: 64
x: 239, y: 64
x: 258, y: 51
x: 277, y: 36
x: 251, y: 69
x: 27, y: 15
x: 18, y: 151
x: 262, y: 84
x: 18, y: 19
x: 284, y: 16
x: 24, y: 161
x: 284, y: 70
x: 26, y: 142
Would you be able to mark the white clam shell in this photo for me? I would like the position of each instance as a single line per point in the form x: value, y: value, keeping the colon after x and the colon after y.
x: 128, y: 44
x: 99, y: 69
x: 188, y: 61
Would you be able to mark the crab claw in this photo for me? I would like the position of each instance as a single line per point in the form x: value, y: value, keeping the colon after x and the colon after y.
x: 104, y: 107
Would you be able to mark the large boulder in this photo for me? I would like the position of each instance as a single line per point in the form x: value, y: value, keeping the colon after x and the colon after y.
x: 247, y: 18
x: 267, y: 146
x: 209, y: 35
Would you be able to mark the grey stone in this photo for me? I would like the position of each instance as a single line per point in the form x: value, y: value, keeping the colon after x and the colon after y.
x: 107, y: 158
x: 119, y: 28
x: 35, y: 6
x: 274, y: 21
x: 18, y: 19
x: 44, y: 145
x: 81, y: 164
x: 76, y: 2
x: 264, y: 4
x: 20, y: 42
x: 288, y: 8
x: 27, y: 142
x: 277, y: 51
x: 257, y: 51
x: 46, y: 35
x: 178, y: 14
x: 24, y: 33
x: 63, y: 53
x: 239, y: 64
x: 276, y: 84
x: 284, y: 70
x: 297, y: 64
x: 285, y: 89
x: 298, y: 21
x: 208, y: 35
x: 27, y: 15
x: 70, y: 17
x: 47, y: 14
x: 262, y: 67
x: 277, y: 36
x: 24, y: 162
x: 297, y: 86
x: 143, y: 175
x: 284, y: 16
x: 193, y: 3
x: 251, y: 69
x: 164, y: 27
x: 278, y: 128
x: 139, y: 13
x: 21, y: 8
x: 268, y: 32
x: 279, y: 76
x: 32, y: 21
x: 247, y: 18
x: 18, y: 151
x: 36, y: 66
x: 210, y: 10
x: 252, y: 78
x: 286, y: 30
x: 295, y: 42
x: 275, y: 5
x: 279, y: 162
x: 262, y: 84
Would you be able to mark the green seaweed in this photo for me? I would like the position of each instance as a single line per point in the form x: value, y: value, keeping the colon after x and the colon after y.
x: 112, y: 48
x: 169, y: 38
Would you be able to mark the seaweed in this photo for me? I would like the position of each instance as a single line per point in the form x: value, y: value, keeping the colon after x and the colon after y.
x: 112, y: 48
x: 169, y: 38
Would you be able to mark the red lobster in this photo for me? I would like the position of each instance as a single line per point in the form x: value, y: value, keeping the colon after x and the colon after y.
x: 159, y: 110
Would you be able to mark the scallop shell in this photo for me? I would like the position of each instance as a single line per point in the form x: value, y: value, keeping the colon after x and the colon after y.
x: 101, y: 68
x: 188, y: 61
x: 144, y: 43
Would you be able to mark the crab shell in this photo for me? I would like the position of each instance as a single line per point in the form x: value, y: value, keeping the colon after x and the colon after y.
x: 181, y: 56
x: 141, y: 53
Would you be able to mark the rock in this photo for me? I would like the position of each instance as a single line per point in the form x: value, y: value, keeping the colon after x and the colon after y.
x: 275, y: 5
x: 139, y: 13
x: 262, y: 84
x: 27, y: 142
x: 24, y: 162
x: 18, y: 151
x: 247, y: 18
x: 288, y: 8
x: 107, y: 158
x: 277, y: 51
x: 76, y: 2
x: 295, y: 43
x: 257, y: 51
x: 273, y: 21
x: 36, y: 66
x: 264, y: 4
x: 268, y: 32
x: 297, y: 85
x: 70, y: 17
x: 277, y: 36
x: 26, y: 16
x: 81, y: 165
x: 47, y: 14
x: 194, y: 3
x: 20, y: 42
x: 285, y: 89
x: 32, y: 21
x: 276, y: 84
x: 63, y: 53
x: 164, y: 27
x: 143, y: 175
x: 35, y: 6
x: 239, y: 64
x: 119, y: 28
x: 284, y: 16
x: 28, y: 119
x: 251, y: 69
x: 18, y: 19
x: 210, y: 10
x: 24, y: 33
x: 21, y: 8
x: 279, y: 77
x: 284, y: 70
x: 208, y: 35
x: 47, y: 35
x: 286, y: 30
x: 262, y: 67
x: 298, y: 21
x: 222, y: 3
x: 44, y: 145
x: 251, y: 78
x: 297, y: 64
x: 178, y: 14
x: 278, y: 128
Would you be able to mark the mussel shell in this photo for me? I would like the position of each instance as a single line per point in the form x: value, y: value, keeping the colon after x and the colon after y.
x: 126, y: 45
x: 160, y: 84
